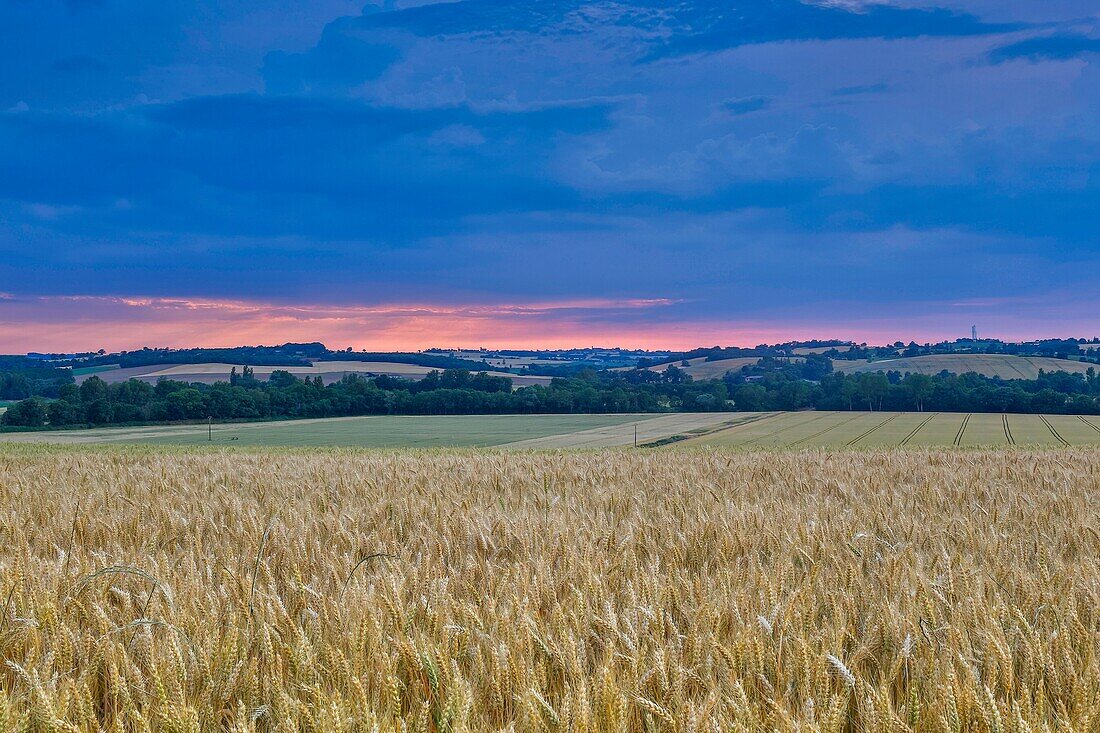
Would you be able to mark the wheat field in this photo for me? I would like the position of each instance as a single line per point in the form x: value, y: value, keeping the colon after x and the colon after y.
x: 158, y: 589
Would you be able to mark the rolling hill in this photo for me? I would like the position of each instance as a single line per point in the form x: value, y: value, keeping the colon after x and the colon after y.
x: 1004, y: 366
x: 699, y: 368
x: 806, y: 350
x: 329, y: 371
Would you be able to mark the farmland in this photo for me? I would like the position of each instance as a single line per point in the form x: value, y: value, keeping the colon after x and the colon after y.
x: 806, y: 350
x: 740, y: 430
x: 278, y: 590
x: 1004, y: 366
x: 88, y: 371
x: 896, y: 429
x: 699, y: 368
x: 329, y: 371
x: 521, y: 431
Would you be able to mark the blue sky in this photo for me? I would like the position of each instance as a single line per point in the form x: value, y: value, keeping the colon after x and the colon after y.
x: 548, y: 172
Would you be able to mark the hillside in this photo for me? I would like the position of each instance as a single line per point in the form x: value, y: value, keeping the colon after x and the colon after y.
x: 699, y: 368
x: 807, y: 350
x: 990, y: 365
x: 329, y: 371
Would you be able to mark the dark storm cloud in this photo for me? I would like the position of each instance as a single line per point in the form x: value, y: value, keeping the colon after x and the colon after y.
x: 249, y: 164
x: 745, y: 105
x: 1057, y: 48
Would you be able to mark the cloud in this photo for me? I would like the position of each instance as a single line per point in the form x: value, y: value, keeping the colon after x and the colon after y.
x: 745, y: 105
x: 1059, y: 47
x: 55, y: 324
x: 685, y: 27
x: 276, y: 165
x: 719, y: 27
x: 338, y: 62
x: 353, y: 51
x: 485, y: 152
x: 727, y: 171
x: 130, y: 322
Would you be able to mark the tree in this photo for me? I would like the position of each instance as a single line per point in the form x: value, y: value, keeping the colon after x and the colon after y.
x: 849, y: 390
x: 873, y: 386
x: 1047, y: 400
x: 14, y: 386
x: 93, y: 388
x: 816, y: 367
x: 186, y: 404
x: 918, y: 387
x: 132, y: 392
x: 675, y: 375
x: 280, y: 379
x: 751, y: 398
x: 65, y: 412
x: 99, y: 412
x: 793, y: 396
x: 30, y: 413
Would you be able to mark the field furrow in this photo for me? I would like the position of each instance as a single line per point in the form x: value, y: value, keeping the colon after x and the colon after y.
x: 877, y: 426
x: 1032, y: 430
x: 984, y: 429
x: 911, y: 434
x: 647, y: 429
x: 1053, y: 431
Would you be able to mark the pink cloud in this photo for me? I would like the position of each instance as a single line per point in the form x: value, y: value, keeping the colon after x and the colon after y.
x: 74, y: 323
x: 80, y: 323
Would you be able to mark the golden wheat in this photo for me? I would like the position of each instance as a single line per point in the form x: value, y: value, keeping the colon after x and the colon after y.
x: 172, y: 590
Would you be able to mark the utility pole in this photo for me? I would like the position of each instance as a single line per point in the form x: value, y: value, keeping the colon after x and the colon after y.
x: 635, y: 435
x: 210, y: 428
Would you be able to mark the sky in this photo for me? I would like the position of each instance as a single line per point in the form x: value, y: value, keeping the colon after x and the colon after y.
x: 546, y: 173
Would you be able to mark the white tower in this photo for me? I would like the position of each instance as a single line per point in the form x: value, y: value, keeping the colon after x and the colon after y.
x: 973, y: 333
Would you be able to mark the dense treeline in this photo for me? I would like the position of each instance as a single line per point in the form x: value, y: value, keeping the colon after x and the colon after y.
x: 772, y: 384
x: 451, y: 392
x: 780, y: 385
x: 21, y: 378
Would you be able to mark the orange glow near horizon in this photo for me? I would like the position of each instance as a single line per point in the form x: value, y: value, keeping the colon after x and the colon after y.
x: 79, y: 323
x: 64, y: 324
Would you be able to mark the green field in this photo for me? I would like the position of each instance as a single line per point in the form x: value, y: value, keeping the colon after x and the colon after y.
x: 887, y: 429
x: 85, y: 371
x: 727, y: 430
x: 397, y: 431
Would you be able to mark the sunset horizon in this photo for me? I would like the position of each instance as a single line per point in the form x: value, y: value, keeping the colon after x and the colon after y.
x: 53, y: 325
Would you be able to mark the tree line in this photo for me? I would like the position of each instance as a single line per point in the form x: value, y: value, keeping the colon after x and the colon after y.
x: 771, y: 384
x: 774, y: 384
x: 284, y: 395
